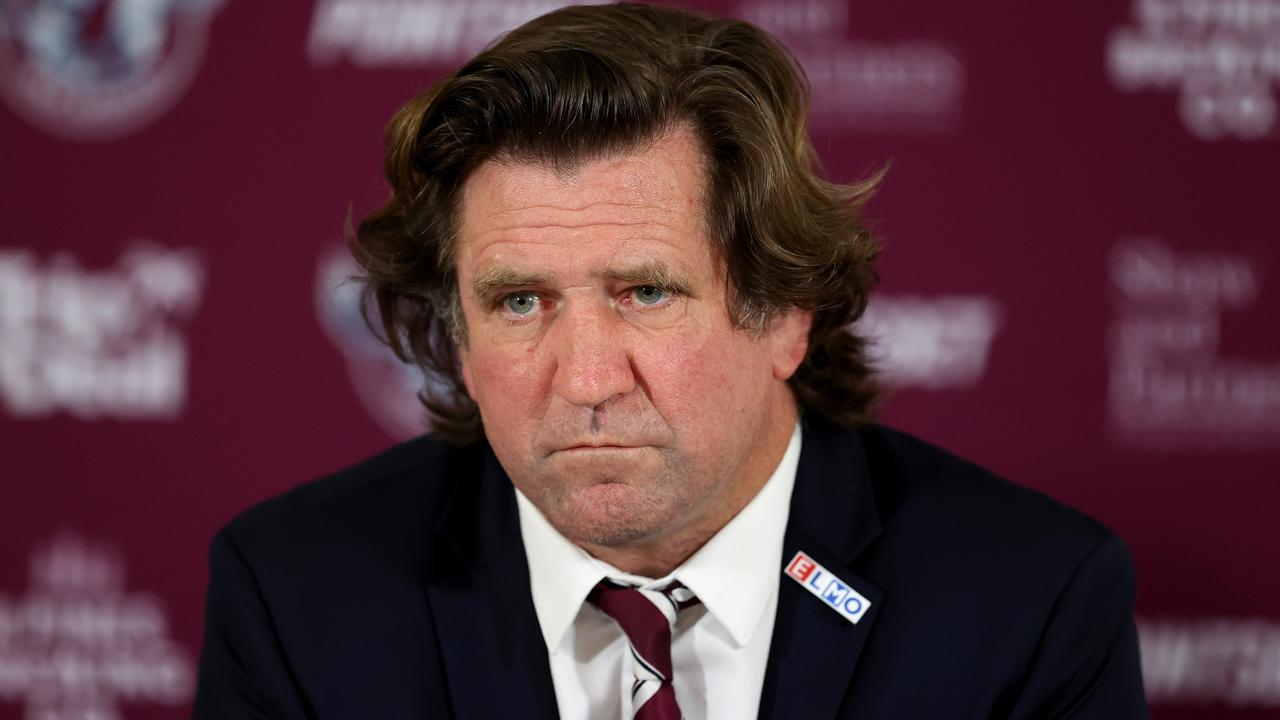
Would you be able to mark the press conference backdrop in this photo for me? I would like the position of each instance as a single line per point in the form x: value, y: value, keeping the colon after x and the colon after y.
x: 1080, y: 288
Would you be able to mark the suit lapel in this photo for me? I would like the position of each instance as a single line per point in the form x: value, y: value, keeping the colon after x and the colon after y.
x: 833, y: 518
x: 494, y: 655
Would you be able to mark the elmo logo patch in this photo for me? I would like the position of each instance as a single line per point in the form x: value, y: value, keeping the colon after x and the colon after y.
x: 822, y: 584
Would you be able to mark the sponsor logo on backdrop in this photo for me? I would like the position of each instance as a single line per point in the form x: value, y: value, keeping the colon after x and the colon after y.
x: 912, y: 85
x: 1221, y: 58
x: 386, y: 387
x: 1171, y: 383
x: 909, y: 85
x: 78, y: 644
x: 375, y: 33
x: 934, y: 343
x: 96, y: 343
x: 1227, y: 661
x: 99, y: 69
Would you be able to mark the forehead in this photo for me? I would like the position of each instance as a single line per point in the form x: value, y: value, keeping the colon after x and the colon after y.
x: 652, y: 193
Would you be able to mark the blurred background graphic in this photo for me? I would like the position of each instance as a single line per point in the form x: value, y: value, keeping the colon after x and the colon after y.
x: 1080, y: 291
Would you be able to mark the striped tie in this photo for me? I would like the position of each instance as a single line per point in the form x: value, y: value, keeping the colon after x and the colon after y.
x: 647, y: 616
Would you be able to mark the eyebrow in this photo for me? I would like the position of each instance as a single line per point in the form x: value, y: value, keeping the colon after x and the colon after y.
x: 493, y: 280
x: 651, y: 272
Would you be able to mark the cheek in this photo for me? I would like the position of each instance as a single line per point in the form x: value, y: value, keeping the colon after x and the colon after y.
x: 506, y: 382
x: 705, y: 386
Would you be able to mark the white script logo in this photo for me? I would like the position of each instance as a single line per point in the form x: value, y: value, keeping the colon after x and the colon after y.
x: 1222, y: 57
x: 372, y: 33
x: 1170, y: 384
x: 913, y: 85
x: 77, y: 643
x: 933, y: 343
x: 1233, y: 661
x: 96, y: 344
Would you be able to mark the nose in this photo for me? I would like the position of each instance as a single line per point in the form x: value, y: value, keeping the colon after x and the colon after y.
x: 593, y: 363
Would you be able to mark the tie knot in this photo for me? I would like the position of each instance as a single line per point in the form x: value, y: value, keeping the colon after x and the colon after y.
x: 632, y: 606
x: 646, y: 616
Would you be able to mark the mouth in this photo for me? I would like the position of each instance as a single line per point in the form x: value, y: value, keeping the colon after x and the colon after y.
x: 599, y: 449
x: 601, y: 446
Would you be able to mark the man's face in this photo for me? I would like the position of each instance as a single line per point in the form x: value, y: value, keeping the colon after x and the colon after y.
x: 613, y: 386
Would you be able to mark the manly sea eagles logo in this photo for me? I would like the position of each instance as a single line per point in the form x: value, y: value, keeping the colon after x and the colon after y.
x: 386, y: 387
x: 99, y: 69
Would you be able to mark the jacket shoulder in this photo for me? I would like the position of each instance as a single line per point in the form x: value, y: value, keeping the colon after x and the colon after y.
x: 320, y: 591
x: 389, y: 502
x: 948, y: 518
x: 914, y: 480
x: 1026, y: 601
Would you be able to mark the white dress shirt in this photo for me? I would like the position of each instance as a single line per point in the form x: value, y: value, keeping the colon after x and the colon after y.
x: 719, y: 649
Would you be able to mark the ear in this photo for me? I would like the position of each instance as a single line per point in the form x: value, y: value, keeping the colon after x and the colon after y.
x: 789, y: 338
x: 464, y: 362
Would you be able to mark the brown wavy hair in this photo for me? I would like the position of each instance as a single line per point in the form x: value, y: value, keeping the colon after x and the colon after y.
x: 584, y: 82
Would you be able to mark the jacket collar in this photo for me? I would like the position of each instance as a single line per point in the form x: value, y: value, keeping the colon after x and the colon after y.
x: 489, y: 632
x: 480, y: 521
x: 834, y: 518
x: 482, y: 607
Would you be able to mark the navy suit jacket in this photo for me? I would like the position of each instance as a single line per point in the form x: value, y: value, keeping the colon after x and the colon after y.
x: 399, y: 589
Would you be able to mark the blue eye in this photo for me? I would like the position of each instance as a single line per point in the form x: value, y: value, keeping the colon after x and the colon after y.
x: 521, y: 303
x: 649, y: 294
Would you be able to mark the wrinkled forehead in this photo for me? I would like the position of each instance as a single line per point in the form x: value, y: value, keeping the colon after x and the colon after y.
x: 659, y: 186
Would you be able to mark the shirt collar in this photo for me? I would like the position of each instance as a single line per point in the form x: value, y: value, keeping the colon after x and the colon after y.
x: 734, y: 574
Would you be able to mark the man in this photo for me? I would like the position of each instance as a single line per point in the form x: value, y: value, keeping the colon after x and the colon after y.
x: 654, y: 488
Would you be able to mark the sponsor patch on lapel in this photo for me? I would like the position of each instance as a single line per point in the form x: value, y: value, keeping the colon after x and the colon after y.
x: 824, y: 585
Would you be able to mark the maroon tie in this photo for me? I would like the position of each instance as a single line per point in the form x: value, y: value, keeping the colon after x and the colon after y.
x: 647, y: 620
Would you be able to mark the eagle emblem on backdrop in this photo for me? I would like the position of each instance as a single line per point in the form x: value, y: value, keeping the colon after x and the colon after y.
x: 99, y: 69
x: 386, y: 387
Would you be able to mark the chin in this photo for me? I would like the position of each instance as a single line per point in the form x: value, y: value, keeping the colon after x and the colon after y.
x: 612, y: 514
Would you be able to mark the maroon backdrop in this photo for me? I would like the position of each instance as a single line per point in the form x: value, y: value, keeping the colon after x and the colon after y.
x: 1079, y: 291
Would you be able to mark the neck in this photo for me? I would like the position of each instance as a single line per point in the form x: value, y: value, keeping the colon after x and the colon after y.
x: 654, y: 560
x: 657, y: 557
